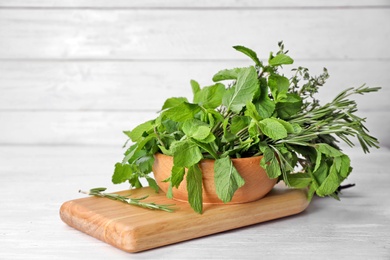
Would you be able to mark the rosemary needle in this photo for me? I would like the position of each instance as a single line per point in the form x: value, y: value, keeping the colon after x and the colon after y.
x: 99, y: 192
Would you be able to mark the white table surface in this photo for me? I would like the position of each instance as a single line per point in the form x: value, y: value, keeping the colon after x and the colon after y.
x: 36, y: 180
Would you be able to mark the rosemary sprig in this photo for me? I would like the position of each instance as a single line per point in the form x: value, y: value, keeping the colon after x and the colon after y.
x: 99, y: 192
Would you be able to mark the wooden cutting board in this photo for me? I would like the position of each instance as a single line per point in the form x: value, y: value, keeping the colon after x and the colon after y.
x: 135, y: 229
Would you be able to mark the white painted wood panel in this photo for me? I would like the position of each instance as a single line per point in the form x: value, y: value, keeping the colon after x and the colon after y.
x: 314, y: 34
x: 105, y: 128
x: 191, y: 3
x: 144, y: 85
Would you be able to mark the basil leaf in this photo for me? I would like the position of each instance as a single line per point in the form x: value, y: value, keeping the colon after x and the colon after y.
x: 194, y: 188
x: 227, y: 179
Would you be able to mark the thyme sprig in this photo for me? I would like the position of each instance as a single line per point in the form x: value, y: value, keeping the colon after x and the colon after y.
x: 99, y: 192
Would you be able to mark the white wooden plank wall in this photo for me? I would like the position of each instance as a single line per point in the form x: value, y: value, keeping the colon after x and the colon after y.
x: 80, y: 72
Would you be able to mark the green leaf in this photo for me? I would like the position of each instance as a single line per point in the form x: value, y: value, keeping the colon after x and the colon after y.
x: 185, y: 153
x: 279, y: 86
x: 194, y: 188
x: 328, y: 150
x: 228, y: 74
x: 196, y: 129
x: 145, y: 163
x: 210, y: 97
x: 264, y: 105
x: 182, y: 112
x: 177, y: 176
x: 152, y: 183
x: 174, y: 101
x: 270, y: 163
x: 122, y: 173
x: 243, y: 91
x: 137, y: 133
x: 272, y: 128
x: 342, y: 164
x: 227, y: 179
x: 280, y: 59
x: 252, y: 112
x: 330, y: 184
x: 238, y: 123
x: 289, y: 106
x: 299, y: 180
x: 250, y: 53
x: 194, y: 86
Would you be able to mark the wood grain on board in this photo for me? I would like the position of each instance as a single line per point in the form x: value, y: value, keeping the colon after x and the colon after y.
x: 134, y: 229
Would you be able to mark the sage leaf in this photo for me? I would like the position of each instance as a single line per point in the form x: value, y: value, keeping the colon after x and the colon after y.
x: 194, y: 188
x: 243, y: 91
x: 227, y: 179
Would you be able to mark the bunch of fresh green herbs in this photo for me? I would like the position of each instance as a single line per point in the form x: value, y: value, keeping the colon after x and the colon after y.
x: 251, y: 111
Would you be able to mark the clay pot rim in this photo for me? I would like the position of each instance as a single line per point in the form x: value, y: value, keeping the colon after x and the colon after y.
x: 212, y: 160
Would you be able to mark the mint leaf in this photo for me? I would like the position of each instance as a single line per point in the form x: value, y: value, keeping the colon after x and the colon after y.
x: 194, y: 86
x: 243, y: 91
x: 280, y: 59
x: 227, y: 74
x: 152, y: 183
x: 122, y: 173
x: 252, y: 112
x: 194, y: 188
x: 328, y: 150
x: 289, y: 106
x: 177, y: 176
x: 137, y: 133
x: 210, y: 97
x: 227, y: 179
x: 272, y: 128
x: 174, y: 101
x: 279, y: 86
x: 196, y: 129
x: 299, y: 180
x: 330, y: 184
x: 238, y: 123
x: 185, y: 153
x: 250, y: 53
x: 270, y: 164
x: 264, y: 105
x: 182, y: 112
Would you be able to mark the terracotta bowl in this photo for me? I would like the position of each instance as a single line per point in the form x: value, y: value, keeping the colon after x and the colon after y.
x: 257, y: 183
